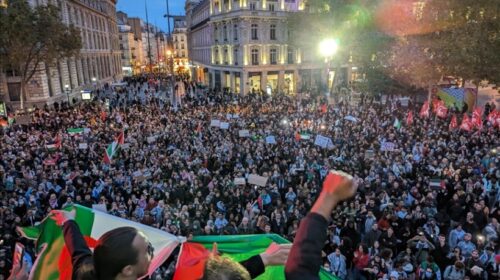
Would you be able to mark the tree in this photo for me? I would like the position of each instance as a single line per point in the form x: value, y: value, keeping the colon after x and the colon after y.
x: 31, y: 37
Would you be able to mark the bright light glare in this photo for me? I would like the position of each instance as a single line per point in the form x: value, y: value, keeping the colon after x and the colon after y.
x: 285, y: 122
x: 328, y: 47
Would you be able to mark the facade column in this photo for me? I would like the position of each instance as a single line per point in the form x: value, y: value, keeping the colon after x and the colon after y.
x: 243, y: 83
x: 297, y: 83
x: 263, y: 81
x: 233, y: 82
x: 223, y: 80
x: 211, y: 78
x: 281, y: 81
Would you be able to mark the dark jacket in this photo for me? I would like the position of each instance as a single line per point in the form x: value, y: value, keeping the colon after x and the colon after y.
x: 77, y: 247
x: 304, y: 260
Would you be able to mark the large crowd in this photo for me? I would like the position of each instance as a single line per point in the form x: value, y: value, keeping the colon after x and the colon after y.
x: 428, y: 208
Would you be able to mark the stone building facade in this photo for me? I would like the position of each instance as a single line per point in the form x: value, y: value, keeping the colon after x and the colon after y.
x: 99, y: 61
x: 243, y: 46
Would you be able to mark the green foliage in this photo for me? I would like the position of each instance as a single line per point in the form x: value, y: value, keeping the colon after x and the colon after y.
x: 390, y: 41
x: 31, y: 36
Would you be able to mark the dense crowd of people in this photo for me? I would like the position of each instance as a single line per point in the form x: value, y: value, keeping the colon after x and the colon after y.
x: 428, y: 208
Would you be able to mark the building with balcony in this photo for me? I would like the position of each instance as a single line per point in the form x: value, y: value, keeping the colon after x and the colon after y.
x: 131, y: 47
x: 243, y: 46
x: 99, y: 61
x: 180, y: 45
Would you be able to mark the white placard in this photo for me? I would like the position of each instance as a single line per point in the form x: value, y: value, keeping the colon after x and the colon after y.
x: 224, y: 125
x: 229, y: 116
x: 215, y: 123
x: 323, y: 142
x: 125, y: 146
x: 270, y: 139
x: 83, y: 146
x: 239, y: 181
x: 257, y: 180
x: 151, y: 139
x: 244, y: 133
x: 387, y: 146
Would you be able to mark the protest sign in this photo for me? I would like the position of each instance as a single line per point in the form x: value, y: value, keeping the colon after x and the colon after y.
x: 257, y: 180
x: 224, y: 125
x: 239, y: 181
x: 244, y: 133
x: 387, y: 147
x: 82, y: 146
x: 323, y: 142
x: 215, y: 123
x: 270, y: 139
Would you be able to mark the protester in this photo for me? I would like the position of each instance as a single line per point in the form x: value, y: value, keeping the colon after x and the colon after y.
x: 177, y: 173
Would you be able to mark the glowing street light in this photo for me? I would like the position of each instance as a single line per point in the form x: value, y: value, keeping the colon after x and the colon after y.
x: 328, y: 47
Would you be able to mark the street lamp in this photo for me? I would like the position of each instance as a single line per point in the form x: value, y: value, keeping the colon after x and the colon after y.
x: 67, y: 90
x: 328, y: 48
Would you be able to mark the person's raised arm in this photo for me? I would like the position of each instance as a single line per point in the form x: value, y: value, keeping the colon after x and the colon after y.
x: 305, y: 260
x: 73, y: 238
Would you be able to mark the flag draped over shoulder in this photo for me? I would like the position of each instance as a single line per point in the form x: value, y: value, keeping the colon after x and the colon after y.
x: 53, y: 259
x: 237, y: 247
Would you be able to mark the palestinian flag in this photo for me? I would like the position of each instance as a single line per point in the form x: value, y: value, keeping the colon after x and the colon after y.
x: 110, y: 152
x: 193, y: 254
x: 409, y: 118
x: 75, y: 131
x: 424, y: 112
x: 55, y: 145
x: 441, y: 110
x: 477, y: 118
x: 397, y: 124
x: 304, y: 136
x: 53, y: 259
x: 120, y: 139
x: 466, y: 123
x: 11, y: 119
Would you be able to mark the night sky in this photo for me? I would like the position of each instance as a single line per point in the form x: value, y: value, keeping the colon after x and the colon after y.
x: 156, y: 10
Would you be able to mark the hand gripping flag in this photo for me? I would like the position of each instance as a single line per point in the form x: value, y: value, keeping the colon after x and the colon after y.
x: 53, y: 259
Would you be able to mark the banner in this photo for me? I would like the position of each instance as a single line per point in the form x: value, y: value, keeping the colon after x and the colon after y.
x: 387, y: 147
x: 257, y: 180
x: 323, y: 142
x: 459, y: 97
